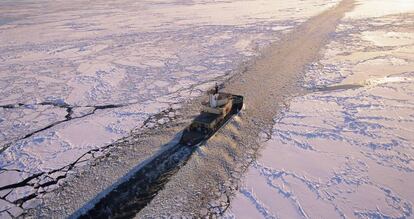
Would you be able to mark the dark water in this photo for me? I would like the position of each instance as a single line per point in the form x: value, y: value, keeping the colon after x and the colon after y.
x: 129, y: 197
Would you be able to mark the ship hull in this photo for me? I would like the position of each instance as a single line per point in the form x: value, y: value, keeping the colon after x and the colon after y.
x: 195, y: 133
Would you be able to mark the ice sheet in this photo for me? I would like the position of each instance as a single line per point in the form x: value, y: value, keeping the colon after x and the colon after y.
x: 345, y: 149
x: 76, y: 76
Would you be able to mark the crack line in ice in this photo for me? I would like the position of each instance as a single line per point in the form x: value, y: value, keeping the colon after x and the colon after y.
x: 68, y: 117
x: 259, y: 206
x: 368, y: 119
x: 65, y: 169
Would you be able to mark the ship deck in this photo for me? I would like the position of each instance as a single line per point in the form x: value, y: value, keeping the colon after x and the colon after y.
x: 206, y: 118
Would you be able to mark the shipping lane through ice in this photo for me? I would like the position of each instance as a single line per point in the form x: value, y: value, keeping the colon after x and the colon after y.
x: 345, y: 152
x: 203, y: 186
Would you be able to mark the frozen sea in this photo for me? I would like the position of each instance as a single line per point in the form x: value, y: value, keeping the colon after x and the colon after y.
x: 346, y: 148
x: 76, y: 76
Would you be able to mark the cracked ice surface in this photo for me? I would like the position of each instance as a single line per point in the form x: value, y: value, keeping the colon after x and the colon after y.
x: 347, y: 149
x: 76, y: 76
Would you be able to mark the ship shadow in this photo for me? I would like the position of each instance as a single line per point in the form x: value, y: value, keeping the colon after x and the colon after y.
x: 132, y: 192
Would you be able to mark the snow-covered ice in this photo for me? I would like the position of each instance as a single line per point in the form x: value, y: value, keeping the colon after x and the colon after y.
x: 76, y: 76
x: 346, y: 148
